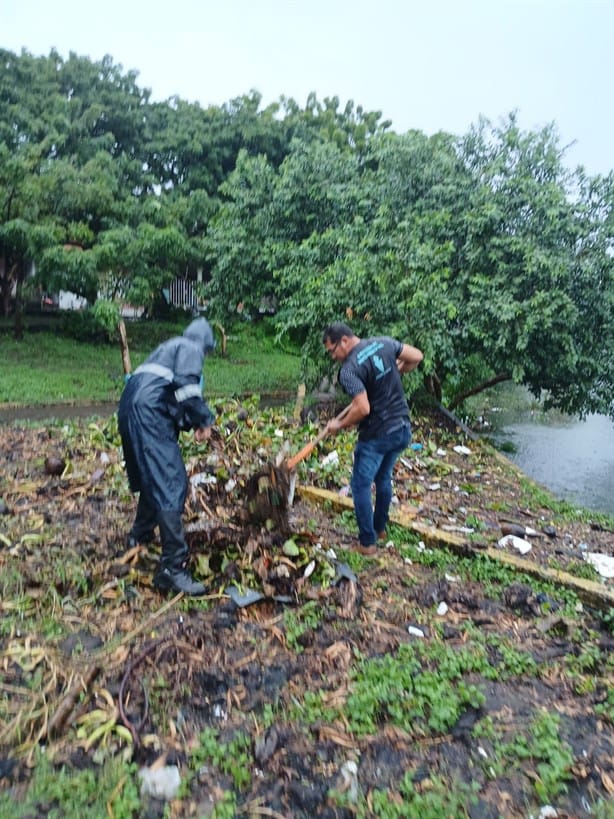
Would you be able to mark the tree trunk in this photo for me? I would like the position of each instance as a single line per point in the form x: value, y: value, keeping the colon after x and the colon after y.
x: 433, y: 386
x: 18, y: 327
x: 5, y: 290
x: 479, y: 388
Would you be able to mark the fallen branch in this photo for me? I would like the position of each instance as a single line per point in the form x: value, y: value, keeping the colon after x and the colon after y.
x: 66, y: 706
x: 134, y: 730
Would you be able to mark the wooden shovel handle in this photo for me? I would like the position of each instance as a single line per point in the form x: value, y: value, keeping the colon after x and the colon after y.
x: 306, y: 451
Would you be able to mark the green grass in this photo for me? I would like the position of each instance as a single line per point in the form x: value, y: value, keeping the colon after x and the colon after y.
x: 45, y: 368
x: 111, y: 789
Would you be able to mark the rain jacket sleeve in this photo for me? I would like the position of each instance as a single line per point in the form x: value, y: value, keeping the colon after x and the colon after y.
x: 193, y: 410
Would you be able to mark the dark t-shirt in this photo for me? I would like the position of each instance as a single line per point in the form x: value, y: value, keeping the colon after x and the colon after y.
x: 372, y: 367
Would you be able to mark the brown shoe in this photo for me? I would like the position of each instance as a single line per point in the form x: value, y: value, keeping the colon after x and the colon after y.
x: 382, y: 535
x: 368, y: 551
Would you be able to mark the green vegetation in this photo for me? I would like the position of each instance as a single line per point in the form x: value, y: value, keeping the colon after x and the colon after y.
x: 305, y: 619
x: 431, y: 802
x: 543, y: 746
x: 481, y: 249
x: 231, y: 758
x: 89, y: 794
x: 361, y: 680
x: 407, y: 692
x: 45, y: 368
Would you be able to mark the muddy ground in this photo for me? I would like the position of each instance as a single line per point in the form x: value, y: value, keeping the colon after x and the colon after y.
x: 280, y: 678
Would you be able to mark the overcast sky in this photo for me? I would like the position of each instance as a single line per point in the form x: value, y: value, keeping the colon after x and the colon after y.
x: 425, y: 64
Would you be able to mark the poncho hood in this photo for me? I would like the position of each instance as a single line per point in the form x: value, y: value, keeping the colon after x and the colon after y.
x: 199, y: 331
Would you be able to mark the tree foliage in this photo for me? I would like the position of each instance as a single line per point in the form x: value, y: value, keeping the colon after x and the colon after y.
x: 483, y: 249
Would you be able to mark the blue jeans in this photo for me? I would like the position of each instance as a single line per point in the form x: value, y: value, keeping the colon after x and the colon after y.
x: 373, y: 463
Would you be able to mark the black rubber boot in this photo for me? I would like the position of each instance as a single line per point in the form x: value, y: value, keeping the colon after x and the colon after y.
x: 179, y: 580
x: 172, y: 574
x: 144, y: 523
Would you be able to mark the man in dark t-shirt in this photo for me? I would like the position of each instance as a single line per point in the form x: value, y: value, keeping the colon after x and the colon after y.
x: 370, y: 374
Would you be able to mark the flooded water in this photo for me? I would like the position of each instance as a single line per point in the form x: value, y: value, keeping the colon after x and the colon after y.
x: 58, y: 412
x: 61, y: 412
x: 573, y: 459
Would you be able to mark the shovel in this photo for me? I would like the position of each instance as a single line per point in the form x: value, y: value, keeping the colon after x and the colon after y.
x: 306, y: 451
x: 271, y: 490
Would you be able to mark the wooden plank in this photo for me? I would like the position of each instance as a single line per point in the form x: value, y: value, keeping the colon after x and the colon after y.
x: 591, y: 592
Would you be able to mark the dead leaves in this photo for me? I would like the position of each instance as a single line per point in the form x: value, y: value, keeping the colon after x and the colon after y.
x: 211, y: 664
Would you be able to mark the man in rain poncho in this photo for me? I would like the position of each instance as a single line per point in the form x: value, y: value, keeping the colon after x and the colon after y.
x: 163, y: 397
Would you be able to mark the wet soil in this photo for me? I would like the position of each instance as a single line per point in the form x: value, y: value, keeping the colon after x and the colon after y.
x: 177, y: 668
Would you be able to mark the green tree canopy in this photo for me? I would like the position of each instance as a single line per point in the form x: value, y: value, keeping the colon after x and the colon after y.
x: 481, y: 249
x: 484, y: 251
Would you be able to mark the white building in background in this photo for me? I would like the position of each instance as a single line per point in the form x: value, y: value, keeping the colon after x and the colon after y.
x: 180, y: 293
x: 70, y: 301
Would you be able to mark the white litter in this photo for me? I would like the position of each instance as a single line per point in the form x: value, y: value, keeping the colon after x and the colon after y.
x: 202, y: 478
x: 462, y: 450
x: 415, y: 632
x: 309, y: 568
x: 349, y: 780
x: 331, y: 458
x: 442, y: 609
x: 519, y: 543
x: 464, y: 530
x: 219, y: 713
x: 161, y: 783
x: 434, y: 487
x: 604, y: 564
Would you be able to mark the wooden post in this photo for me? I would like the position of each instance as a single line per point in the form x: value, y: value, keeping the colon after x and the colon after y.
x: 222, y: 332
x: 123, y: 343
x: 300, y: 402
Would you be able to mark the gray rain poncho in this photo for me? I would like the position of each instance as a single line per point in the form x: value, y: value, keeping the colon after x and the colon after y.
x: 163, y: 397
